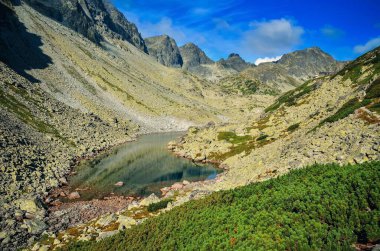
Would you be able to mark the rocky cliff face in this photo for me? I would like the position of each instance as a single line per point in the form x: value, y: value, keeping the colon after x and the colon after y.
x: 234, y: 61
x: 165, y: 50
x: 95, y: 19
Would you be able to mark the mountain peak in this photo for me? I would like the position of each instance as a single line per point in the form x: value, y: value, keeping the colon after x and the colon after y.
x: 308, y: 62
x: 193, y: 56
x: 234, y: 55
x: 235, y: 62
x: 165, y: 50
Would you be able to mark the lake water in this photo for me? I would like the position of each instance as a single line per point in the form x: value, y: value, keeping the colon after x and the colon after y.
x: 144, y: 166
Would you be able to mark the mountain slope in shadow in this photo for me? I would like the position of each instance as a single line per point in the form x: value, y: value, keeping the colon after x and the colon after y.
x: 20, y: 50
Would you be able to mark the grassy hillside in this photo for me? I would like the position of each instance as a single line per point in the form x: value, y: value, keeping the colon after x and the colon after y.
x: 322, y: 207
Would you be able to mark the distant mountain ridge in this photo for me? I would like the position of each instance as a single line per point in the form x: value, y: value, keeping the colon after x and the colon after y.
x: 294, y: 68
x: 191, y: 58
x: 287, y: 73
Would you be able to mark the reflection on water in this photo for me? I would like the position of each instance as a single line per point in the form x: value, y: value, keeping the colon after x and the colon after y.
x: 144, y: 166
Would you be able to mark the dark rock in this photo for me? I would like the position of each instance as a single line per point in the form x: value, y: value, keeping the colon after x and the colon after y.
x: 165, y: 50
x: 193, y: 56
x: 94, y: 19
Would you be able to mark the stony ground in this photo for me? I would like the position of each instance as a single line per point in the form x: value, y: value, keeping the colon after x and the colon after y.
x: 97, y: 219
x: 40, y: 137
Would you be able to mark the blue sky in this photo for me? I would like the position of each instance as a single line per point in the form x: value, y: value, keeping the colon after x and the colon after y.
x: 258, y: 29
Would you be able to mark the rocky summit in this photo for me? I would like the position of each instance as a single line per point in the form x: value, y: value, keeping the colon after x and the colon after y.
x: 165, y: 50
x: 78, y: 83
x: 193, y: 56
x: 235, y: 62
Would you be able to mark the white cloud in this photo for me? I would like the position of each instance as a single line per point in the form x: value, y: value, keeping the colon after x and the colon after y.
x: 371, y: 44
x: 267, y: 59
x: 272, y: 37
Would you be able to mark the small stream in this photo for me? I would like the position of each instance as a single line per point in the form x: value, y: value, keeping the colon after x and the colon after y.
x: 144, y: 166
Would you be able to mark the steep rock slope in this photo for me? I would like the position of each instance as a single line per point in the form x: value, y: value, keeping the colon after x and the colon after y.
x: 95, y: 19
x: 115, y: 80
x: 39, y: 138
x: 327, y: 119
x: 165, y: 50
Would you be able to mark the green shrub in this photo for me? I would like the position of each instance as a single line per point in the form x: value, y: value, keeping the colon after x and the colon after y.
x: 375, y: 107
x: 293, y: 127
x: 322, y: 207
x: 347, y: 109
x: 373, y: 91
x: 159, y: 205
x: 262, y: 137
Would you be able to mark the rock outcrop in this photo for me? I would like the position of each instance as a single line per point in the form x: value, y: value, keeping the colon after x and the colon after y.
x: 193, y: 56
x: 165, y: 50
x: 95, y: 19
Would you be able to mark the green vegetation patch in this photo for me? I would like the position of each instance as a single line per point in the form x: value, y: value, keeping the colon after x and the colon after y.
x: 293, y: 127
x: 24, y: 114
x: 159, y: 205
x: 322, y: 207
x: 347, y: 109
x: 370, y: 100
x: 238, y: 84
x: 240, y: 144
x: 375, y: 107
x: 354, y: 70
x: 233, y: 138
x: 290, y: 97
x: 373, y: 90
x: 262, y: 137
